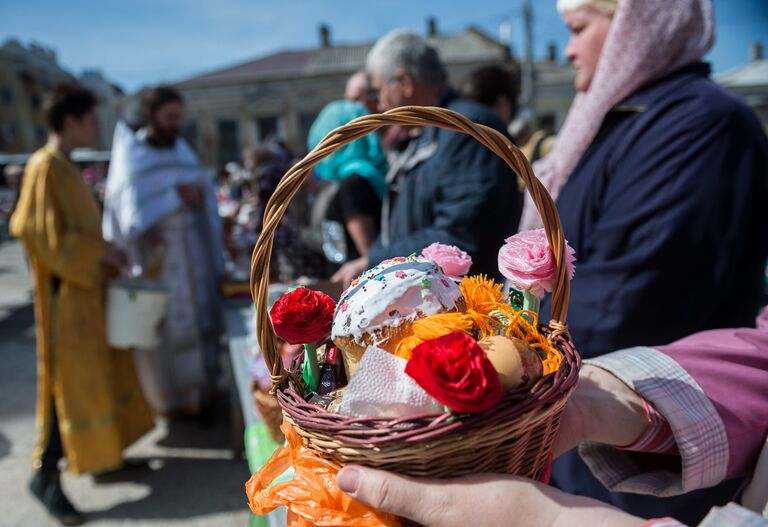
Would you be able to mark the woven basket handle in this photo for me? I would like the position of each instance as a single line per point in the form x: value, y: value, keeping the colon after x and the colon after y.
x: 408, y: 116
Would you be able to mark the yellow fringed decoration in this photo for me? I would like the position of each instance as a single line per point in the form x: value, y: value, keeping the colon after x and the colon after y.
x: 432, y: 327
x: 480, y: 292
x: 405, y: 347
x: 441, y: 324
x: 483, y: 323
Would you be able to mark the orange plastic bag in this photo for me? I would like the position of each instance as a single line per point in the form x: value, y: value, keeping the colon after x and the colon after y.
x: 312, y: 496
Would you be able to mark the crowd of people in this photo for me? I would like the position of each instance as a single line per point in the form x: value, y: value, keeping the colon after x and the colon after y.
x: 659, y: 176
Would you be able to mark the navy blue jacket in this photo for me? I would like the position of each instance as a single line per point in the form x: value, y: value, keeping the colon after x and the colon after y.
x: 667, y: 213
x: 462, y: 194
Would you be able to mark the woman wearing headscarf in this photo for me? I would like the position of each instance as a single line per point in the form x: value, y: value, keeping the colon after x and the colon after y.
x: 660, y: 180
x: 357, y: 172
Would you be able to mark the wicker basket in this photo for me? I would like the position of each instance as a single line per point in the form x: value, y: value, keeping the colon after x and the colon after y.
x: 515, y: 436
x: 269, y: 410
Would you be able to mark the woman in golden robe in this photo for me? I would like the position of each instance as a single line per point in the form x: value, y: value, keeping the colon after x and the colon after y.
x: 86, y: 391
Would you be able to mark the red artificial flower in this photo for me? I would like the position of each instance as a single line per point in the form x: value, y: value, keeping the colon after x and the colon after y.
x: 455, y: 370
x: 303, y: 316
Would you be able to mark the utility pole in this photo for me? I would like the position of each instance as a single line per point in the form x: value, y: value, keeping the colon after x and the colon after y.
x: 527, y: 77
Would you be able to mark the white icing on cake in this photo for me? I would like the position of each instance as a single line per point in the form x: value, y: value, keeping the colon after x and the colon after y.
x: 393, y: 292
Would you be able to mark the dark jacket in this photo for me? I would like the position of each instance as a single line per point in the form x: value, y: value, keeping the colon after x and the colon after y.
x: 666, y: 213
x: 459, y: 193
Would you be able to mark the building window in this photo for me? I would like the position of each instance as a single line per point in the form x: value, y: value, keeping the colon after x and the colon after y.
x: 6, y: 95
x: 35, y: 101
x: 267, y: 129
x: 189, y: 132
x: 41, y: 136
x: 229, y: 147
x: 9, y: 132
x: 547, y: 122
x: 305, y: 123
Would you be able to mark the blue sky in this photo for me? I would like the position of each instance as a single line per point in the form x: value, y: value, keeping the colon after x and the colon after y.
x: 140, y: 42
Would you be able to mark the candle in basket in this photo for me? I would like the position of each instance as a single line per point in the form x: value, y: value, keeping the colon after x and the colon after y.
x: 303, y: 316
x: 332, y: 374
x: 527, y: 261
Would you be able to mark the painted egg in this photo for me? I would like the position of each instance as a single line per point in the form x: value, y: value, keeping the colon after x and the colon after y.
x: 514, y: 361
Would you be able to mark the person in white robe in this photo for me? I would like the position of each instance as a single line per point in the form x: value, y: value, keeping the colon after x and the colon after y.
x: 160, y: 208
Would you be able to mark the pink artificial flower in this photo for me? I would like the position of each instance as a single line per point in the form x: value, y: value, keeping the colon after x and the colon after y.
x: 527, y: 261
x: 454, y: 262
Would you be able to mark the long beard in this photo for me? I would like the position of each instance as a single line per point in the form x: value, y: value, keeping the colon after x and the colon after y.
x: 161, y: 138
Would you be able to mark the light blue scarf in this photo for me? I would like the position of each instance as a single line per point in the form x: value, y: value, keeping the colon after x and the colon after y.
x: 363, y: 157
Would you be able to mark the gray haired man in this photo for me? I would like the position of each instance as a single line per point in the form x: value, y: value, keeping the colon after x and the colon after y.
x: 445, y: 187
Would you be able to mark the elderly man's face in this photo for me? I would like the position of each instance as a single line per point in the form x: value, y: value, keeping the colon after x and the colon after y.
x: 359, y: 89
x: 392, y: 93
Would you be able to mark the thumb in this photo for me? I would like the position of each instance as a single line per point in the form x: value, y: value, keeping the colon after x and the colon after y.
x: 388, y: 492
